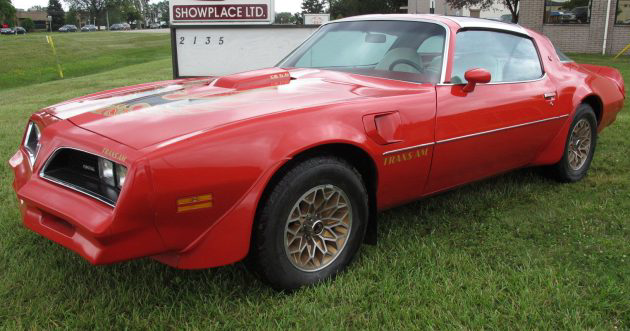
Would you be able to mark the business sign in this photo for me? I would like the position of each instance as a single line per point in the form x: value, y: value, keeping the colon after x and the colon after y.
x: 316, y: 19
x: 221, y: 12
x: 224, y: 50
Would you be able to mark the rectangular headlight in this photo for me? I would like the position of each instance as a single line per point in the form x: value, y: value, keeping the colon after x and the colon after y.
x: 106, y: 171
x: 112, y: 174
x: 31, y: 142
x: 121, y: 174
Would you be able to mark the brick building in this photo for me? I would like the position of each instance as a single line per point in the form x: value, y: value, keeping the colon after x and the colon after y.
x: 40, y: 18
x: 573, y: 25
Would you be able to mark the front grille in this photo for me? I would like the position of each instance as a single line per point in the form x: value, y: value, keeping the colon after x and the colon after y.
x: 79, y: 171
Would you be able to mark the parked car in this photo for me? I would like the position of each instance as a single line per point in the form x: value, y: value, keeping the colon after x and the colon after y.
x: 19, y: 30
x: 68, y: 28
x: 154, y: 25
x: 7, y: 31
x: 287, y: 167
x: 88, y: 28
x: 581, y: 14
x: 507, y: 18
x: 119, y: 27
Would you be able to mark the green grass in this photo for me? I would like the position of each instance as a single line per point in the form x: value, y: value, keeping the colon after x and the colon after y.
x: 29, y: 59
x: 515, y: 252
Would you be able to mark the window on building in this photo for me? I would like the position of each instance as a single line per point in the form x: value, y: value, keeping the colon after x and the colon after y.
x: 568, y: 11
x: 623, y: 12
x: 508, y: 58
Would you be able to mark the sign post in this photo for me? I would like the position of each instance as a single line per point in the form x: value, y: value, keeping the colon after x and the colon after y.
x: 221, y: 37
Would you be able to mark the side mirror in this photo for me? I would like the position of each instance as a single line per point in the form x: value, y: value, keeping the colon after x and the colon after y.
x: 476, y: 76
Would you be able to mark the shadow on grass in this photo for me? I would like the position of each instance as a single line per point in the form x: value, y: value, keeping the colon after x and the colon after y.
x: 159, y: 283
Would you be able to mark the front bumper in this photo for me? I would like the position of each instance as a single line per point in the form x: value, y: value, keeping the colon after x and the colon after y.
x: 100, y: 233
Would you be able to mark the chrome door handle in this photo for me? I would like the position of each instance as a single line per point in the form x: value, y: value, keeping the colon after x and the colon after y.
x: 550, y: 96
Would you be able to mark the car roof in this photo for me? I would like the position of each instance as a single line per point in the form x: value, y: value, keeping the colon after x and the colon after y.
x: 463, y: 22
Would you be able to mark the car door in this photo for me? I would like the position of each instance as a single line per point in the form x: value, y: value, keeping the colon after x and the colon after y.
x: 498, y: 126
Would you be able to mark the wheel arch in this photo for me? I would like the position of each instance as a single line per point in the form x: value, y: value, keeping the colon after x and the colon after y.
x: 553, y: 152
x: 354, y: 155
x: 595, y: 102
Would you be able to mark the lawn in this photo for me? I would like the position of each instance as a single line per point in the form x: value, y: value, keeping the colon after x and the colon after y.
x: 515, y: 252
x: 29, y: 59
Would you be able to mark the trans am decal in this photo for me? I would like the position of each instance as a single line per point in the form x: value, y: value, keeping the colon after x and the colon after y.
x: 405, y: 156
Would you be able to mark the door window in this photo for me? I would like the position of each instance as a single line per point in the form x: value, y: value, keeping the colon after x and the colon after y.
x: 508, y: 58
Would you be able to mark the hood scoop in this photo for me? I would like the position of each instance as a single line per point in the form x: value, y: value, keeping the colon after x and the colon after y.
x: 254, y: 79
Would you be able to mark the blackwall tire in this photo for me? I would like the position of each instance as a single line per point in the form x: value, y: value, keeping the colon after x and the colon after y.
x: 579, y: 147
x: 310, y: 225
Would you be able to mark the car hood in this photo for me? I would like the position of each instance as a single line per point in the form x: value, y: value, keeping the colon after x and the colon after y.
x: 144, y: 115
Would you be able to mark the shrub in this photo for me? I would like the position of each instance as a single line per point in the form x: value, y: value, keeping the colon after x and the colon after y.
x: 28, y: 24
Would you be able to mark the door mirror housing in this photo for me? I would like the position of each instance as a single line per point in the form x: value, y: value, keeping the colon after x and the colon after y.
x: 476, y: 76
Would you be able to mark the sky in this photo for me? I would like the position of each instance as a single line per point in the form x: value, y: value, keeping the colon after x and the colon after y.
x: 281, y: 5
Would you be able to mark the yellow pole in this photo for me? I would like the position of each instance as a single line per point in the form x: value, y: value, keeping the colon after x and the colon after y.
x: 49, y: 39
x: 622, y: 51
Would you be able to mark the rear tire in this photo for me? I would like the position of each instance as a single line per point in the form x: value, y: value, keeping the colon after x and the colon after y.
x: 311, y: 225
x: 579, y: 148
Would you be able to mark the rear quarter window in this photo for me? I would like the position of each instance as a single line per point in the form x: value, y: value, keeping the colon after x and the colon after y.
x: 563, y: 57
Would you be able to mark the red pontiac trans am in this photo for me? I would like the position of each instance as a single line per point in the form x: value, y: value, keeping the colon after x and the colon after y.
x: 287, y: 167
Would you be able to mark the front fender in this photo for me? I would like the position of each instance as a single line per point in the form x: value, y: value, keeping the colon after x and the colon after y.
x: 233, y: 165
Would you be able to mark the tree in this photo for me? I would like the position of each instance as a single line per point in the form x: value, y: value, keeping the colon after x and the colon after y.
x: 313, y: 6
x: 37, y: 8
x: 132, y: 15
x: 298, y: 18
x: 575, y: 3
x: 284, y: 18
x: 7, y: 11
x: 345, y: 8
x: 72, y: 16
x: 511, y: 5
x: 28, y: 24
x: 58, y: 15
x: 163, y: 13
x: 94, y: 8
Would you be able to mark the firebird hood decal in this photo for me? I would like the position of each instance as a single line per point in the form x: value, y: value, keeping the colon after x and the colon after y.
x: 149, y: 117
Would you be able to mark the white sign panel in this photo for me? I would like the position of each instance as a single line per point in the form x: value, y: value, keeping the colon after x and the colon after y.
x: 224, y: 50
x: 196, y: 12
x: 316, y: 19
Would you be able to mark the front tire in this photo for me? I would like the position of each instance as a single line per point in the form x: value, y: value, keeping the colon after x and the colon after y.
x: 579, y: 148
x: 311, y: 225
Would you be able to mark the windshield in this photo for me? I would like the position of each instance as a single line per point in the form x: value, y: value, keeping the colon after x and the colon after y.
x: 402, y: 50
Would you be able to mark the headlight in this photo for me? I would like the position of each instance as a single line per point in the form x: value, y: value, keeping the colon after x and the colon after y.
x: 31, y: 142
x: 112, y: 174
x: 106, y: 171
x: 121, y: 173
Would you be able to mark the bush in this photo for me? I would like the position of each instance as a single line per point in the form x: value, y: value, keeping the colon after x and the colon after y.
x: 28, y: 24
